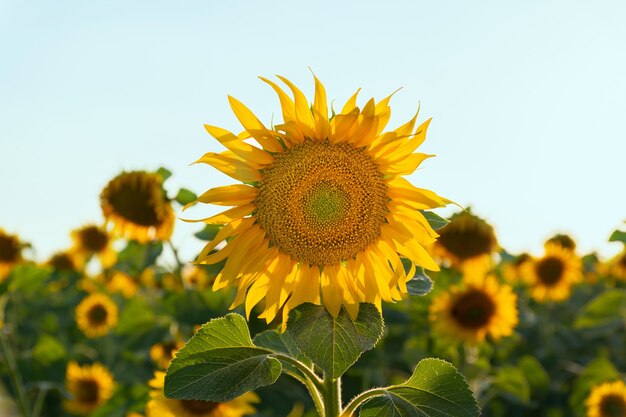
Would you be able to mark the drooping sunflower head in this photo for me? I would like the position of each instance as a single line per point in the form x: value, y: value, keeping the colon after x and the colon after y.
x: 551, y: 276
x: 562, y: 240
x: 163, y: 353
x: 607, y: 400
x: 89, y: 386
x: 92, y: 240
x: 477, y: 308
x: 10, y: 253
x: 324, y: 214
x: 96, y: 315
x: 136, y: 204
x: 466, y: 241
x: 160, y: 406
x: 65, y: 261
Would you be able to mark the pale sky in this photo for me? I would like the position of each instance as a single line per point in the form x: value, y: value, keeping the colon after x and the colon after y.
x: 528, y: 101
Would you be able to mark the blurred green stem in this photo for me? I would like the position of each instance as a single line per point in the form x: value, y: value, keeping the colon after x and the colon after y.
x: 16, y: 378
x: 179, y: 264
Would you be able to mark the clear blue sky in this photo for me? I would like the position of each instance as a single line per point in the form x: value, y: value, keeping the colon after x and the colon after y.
x: 528, y: 100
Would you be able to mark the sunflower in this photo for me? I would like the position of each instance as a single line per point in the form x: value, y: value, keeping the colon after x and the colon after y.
x: 94, y: 240
x: 10, y: 253
x: 136, y: 204
x: 512, y: 270
x: 562, y: 240
x: 616, y: 267
x: 195, y: 276
x: 474, y: 309
x: 467, y: 241
x: 90, y: 386
x: 121, y: 282
x: 163, y: 353
x: 324, y: 214
x: 552, y: 275
x: 65, y: 261
x: 607, y: 400
x: 160, y: 406
x: 96, y: 315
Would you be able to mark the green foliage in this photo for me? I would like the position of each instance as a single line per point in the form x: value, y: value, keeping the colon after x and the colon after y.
x: 538, y: 378
x: 185, y: 196
x: 209, y: 232
x: 607, y: 311
x: 618, y: 236
x: 334, y: 343
x: 164, y: 173
x: 435, y: 221
x: 420, y: 284
x: 511, y: 381
x: 598, y: 371
x: 48, y: 349
x: 136, y: 257
x: 220, y: 363
x: 435, y: 389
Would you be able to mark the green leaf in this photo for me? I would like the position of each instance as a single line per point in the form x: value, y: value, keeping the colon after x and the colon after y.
x: 435, y: 220
x: 618, y: 236
x: 436, y: 389
x: 136, y: 318
x: 209, y: 232
x: 512, y: 382
x: 607, y: 311
x: 420, y: 284
x: 220, y: 363
x: 283, y: 343
x: 334, y: 344
x: 48, y: 350
x: 535, y: 373
x: 598, y: 371
x: 164, y: 173
x: 27, y: 278
x: 185, y: 196
x: 136, y: 257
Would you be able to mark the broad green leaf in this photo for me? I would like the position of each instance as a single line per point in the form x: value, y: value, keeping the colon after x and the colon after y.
x: 436, y: 389
x: 618, y: 236
x: 27, y: 278
x: 136, y: 318
x: 435, y: 220
x: 220, y: 363
x: 334, y: 344
x: 512, y: 382
x: 598, y: 371
x: 420, y: 284
x: 608, y: 311
x: 185, y: 196
x: 535, y: 373
x: 164, y: 173
x: 283, y: 343
x: 136, y: 257
x: 209, y: 232
x: 48, y: 350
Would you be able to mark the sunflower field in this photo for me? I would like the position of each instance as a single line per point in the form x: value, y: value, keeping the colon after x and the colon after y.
x: 328, y: 286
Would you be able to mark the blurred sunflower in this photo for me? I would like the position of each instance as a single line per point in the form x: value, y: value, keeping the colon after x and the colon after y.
x: 160, y: 406
x: 94, y: 240
x: 136, y: 204
x: 552, y: 276
x: 562, y: 240
x: 121, y: 282
x: 324, y: 214
x: 195, y: 276
x: 479, y: 307
x: 64, y: 261
x: 163, y: 353
x: 10, y: 253
x: 90, y: 386
x: 96, y: 315
x: 467, y: 241
x: 616, y: 267
x: 607, y: 400
x: 512, y: 270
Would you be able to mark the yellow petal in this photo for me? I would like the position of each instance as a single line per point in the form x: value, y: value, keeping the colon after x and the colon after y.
x: 404, y: 166
x: 229, y: 195
x: 240, y: 148
x: 254, y: 126
x: 226, y: 216
x: 331, y: 293
x: 231, y: 166
x: 350, y: 104
x: 303, y: 113
x: 320, y: 111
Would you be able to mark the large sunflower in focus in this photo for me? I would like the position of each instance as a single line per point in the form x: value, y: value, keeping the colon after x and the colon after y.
x: 136, y: 204
x: 551, y: 276
x: 160, y: 406
x: 477, y: 308
x: 89, y: 386
x: 323, y: 213
x: 607, y: 400
x: 10, y: 253
x: 466, y: 242
x: 94, y: 240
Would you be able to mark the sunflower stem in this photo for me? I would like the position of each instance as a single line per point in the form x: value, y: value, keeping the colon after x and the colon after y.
x: 332, y: 396
x: 179, y: 264
x: 308, y: 373
x: 16, y: 378
x: 360, y: 399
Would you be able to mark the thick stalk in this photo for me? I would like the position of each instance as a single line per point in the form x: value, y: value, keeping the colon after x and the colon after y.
x: 332, y: 396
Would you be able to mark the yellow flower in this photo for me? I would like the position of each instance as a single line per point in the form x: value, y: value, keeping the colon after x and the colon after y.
x: 616, y: 267
x: 160, y: 406
x: 96, y: 315
x: 137, y: 206
x: 512, y: 270
x: 477, y: 308
x: 163, y: 353
x: 607, y: 400
x: 10, y: 253
x: 90, y: 386
x: 551, y: 277
x: 466, y: 242
x: 562, y: 240
x: 324, y: 214
x: 122, y: 283
x: 195, y: 276
x: 94, y: 240
x: 65, y: 261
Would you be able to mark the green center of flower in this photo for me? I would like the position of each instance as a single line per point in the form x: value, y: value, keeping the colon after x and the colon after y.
x: 473, y: 309
x: 550, y: 270
x: 613, y: 406
x: 322, y: 203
